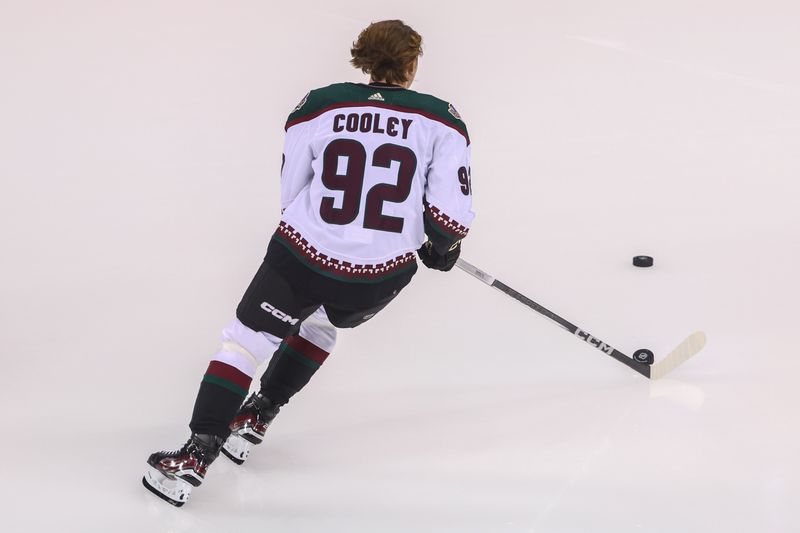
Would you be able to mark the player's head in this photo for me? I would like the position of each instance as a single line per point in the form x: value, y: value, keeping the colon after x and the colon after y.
x: 388, y: 51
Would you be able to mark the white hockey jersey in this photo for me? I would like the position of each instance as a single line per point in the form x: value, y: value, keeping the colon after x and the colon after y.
x: 368, y: 171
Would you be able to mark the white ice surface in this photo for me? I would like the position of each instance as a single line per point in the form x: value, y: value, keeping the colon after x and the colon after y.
x: 139, y: 153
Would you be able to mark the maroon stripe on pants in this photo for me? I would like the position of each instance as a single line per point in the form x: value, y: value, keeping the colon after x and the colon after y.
x: 229, y: 373
x: 303, y: 347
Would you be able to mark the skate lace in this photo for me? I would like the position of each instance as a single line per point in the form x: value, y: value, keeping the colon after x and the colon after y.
x: 190, y: 448
x: 180, y: 451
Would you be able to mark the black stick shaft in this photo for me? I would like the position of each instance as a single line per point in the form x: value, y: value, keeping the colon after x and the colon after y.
x: 580, y: 333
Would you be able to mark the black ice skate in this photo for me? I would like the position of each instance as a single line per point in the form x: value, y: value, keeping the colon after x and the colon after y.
x: 249, y: 426
x: 172, y: 475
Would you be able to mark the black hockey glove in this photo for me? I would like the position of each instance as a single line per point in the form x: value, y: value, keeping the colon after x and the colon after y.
x: 433, y: 259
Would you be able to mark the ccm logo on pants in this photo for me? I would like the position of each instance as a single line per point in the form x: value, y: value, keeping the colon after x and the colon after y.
x: 277, y: 313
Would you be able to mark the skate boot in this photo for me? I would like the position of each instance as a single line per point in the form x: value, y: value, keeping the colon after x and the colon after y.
x: 172, y: 475
x: 249, y: 426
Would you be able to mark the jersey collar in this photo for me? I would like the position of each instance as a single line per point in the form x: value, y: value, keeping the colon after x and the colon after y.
x: 382, y: 85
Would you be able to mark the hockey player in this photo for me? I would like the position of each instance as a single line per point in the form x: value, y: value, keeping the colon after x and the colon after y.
x: 369, y: 170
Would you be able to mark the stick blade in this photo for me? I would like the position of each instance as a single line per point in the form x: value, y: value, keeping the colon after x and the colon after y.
x: 685, y: 350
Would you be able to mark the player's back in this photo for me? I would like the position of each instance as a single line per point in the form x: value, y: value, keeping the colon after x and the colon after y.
x: 363, y: 164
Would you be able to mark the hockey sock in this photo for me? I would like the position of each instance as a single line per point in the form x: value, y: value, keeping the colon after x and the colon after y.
x: 291, y: 369
x: 228, y: 377
x: 222, y: 391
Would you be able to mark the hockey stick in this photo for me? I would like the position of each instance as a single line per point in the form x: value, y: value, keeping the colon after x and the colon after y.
x: 689, y: 347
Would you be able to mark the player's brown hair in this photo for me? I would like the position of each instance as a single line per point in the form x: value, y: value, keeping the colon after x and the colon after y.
x: 386, y: 50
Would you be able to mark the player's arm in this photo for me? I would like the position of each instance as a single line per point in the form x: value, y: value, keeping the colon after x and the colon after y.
x: 448, y: 201
x: 296, y: 171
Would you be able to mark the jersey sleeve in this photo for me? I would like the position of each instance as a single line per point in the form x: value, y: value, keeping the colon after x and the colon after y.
x: 296, y: 171
x: 448, y: 192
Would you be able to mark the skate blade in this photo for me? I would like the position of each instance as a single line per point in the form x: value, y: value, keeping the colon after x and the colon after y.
x: 237, y: 449
x: 172, y: 490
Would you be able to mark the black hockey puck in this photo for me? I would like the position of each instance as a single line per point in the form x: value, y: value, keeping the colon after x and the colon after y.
x: 643, y: 261
x: 643, y: 356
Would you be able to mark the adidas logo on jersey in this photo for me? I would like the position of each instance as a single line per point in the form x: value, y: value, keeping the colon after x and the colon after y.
x: 376, y: 96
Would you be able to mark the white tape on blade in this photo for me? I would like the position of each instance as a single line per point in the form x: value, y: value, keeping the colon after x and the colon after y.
x: 685, y: 350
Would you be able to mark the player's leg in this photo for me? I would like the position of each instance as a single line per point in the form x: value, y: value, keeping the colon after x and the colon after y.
x: 292, y: 368
x: 289, y: 370
x: 295, y: 362
x: 222, y: 389
x: 298, y: 358
x: 269, y: 310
